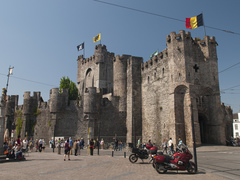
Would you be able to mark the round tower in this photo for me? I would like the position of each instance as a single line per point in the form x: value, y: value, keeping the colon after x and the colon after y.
x: 100, y: 52
x: 53, y: 105
x: 120, y: 80
x: 90, y: 100
x: 27, y: 103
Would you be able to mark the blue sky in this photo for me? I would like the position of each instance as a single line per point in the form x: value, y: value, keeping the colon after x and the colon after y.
x: 39, y: 38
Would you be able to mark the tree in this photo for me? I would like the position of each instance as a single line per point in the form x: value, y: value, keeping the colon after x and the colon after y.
x: 66, y: 83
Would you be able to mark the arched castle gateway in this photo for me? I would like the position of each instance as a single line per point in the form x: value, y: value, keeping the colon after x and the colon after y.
x: 124, y: 97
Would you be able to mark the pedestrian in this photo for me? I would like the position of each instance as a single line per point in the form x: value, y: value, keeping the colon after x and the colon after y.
x: 71, y: 145
x: 116, y: 145
x: 96, y: 144
x: 25, y: 144
x: 165, y: 146
x: 179, y: 141
x: 82, y: 143
x: 67, y: 150
x: 139, y: 143
x: 170, y: 143
x: 59, y: 145
x: 31, y: 144
x: 75, y: 147
x: 19, y: 140
x: 91, y: 143
x: 43, y: 145
x: 102, y: 143
x: 120, y: 145
x: 150, y: 143
x: 36, y: 144
x: 40, y: 144
x: 78, y: 146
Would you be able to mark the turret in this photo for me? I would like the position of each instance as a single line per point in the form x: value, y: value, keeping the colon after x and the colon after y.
x: 120, y: 80
x: 100, y: 53
x: 90, y: 100
x: 27, y: 108
x: 57, y: 100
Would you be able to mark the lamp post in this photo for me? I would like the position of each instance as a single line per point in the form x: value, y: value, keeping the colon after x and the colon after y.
x: 53, y: 144
x: 193, y: 136
x: 9, y: 73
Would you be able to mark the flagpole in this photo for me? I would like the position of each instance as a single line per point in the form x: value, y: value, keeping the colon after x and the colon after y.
x: 83, y: 49
x: 100, y: 38
x: 204, y: 25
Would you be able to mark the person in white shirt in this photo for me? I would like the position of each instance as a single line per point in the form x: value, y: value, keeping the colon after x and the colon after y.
x: 170, y: 143
x: 40, y: 145
x: 25, y: 143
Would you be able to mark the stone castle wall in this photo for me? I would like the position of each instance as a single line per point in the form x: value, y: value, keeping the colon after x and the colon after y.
x: 123, y: 97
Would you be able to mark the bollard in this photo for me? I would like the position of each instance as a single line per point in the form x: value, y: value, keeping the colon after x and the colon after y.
x: 112, y: 153
x: 124, y: 154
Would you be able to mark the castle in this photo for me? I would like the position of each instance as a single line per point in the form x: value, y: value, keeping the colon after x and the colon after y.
x: 126, y: 98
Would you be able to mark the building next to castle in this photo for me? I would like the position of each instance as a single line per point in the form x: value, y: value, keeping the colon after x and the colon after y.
x: 123, y: 97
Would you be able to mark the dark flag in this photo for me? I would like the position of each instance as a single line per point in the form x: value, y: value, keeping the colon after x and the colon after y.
x: 80, y: 47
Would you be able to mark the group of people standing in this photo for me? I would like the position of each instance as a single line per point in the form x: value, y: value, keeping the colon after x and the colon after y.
x: 168, y: 146
x: 118, y: 144
x: 39, y: 145
x: 74, y: 146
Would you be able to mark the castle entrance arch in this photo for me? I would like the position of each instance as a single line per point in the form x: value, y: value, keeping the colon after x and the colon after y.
x: 203, y: 127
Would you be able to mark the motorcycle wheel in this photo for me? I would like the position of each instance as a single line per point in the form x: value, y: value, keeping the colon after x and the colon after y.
x: 160, y: 169
x: 191, y: 168
x: 133, y: 158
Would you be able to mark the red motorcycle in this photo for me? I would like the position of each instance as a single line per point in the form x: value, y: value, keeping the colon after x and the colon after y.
x: 178, y: 161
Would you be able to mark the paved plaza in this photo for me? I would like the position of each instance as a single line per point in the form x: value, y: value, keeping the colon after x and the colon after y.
x: 49, y: 165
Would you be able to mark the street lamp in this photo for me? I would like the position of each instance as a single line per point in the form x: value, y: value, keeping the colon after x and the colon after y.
x: 193, y: 136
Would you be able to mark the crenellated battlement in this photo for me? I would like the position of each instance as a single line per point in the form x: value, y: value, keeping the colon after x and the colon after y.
x: 155, y: 60
x: 182, y: 36
x: 100, y: 47
x: 186, y: 36
x: 101, y: 54
x: 182, y: 44
x: 124, y: 57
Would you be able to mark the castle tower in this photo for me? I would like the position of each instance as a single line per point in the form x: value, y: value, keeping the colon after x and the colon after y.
x: 96, y: 71
x: 2, y: 125
x: 11, y: 106
x: 90, y: 108
x: 120, y: 80
x: 134, y: 99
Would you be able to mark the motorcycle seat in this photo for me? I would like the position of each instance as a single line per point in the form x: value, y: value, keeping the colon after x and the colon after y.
x: 169, y: 158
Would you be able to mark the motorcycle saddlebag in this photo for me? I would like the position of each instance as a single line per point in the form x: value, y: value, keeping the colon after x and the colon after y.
x: 153, y: 150
x: 160, y: 159
x: 148, y: 146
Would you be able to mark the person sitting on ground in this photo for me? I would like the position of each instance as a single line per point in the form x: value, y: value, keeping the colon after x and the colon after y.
x: 18, y: 154
x: 6, y: 150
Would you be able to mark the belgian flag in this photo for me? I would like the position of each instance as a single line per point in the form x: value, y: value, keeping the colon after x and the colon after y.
x: 194, y: 22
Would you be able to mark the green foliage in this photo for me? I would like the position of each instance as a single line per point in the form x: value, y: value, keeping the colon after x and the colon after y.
x: 36, y: 112
x: 49, y: 123
x: 66, y: 83
x: 19, y: 122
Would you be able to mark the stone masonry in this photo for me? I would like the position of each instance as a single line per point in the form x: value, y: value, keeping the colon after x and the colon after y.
x: 123, y: 97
